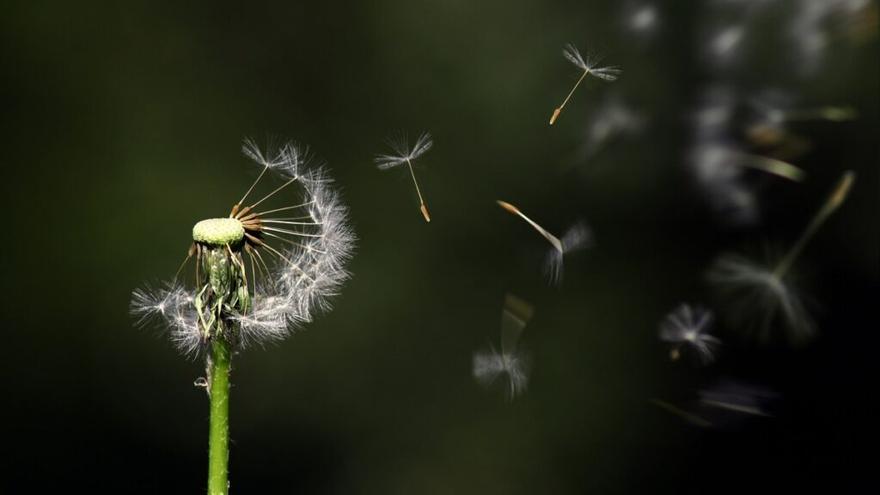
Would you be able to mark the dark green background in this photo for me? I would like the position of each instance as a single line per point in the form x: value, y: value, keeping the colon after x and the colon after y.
x: 121, y: 126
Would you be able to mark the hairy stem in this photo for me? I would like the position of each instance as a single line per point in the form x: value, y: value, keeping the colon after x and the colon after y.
x: 218, y: 437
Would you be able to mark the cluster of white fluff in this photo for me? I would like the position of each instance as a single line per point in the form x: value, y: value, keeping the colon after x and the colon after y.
x: 512, y: 367
x: 590, y: 64
x: 714, y: 159
x: 577, y: 237
x: 298, y: 286
x: 688, y: 327
x: 403, y: 153
x: 760, y: 298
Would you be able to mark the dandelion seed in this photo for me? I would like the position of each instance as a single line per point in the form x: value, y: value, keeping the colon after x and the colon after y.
x: 714, y: 115
x: 773, y: 111
x: 589, y: 66
x: 687, y: 416
x: 762, y: 295
x: 737, y: 397
x: 577, y: 237
x: 611, y: 120
x: 776, y: 113
x: 403, y: 153
x: 719, y: 164
x: 291, y: 274
x: 719, y: 168
x: 510, y: 364
x: 687, y: 328
x: 726, y: 403
x: 642, y: 18
x: 725, y: 43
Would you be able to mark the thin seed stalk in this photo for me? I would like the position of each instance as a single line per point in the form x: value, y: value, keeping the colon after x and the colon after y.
x: 835, y: 199
x: 218, y: 436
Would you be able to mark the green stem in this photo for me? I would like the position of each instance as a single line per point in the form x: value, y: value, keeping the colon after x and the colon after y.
x: 218, y: 439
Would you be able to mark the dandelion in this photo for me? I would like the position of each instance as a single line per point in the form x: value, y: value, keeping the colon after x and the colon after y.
x: 296, y: 256
x: 760, y: 294
x: 577, y: 237
x: 511, y: 364
x: 687, y: 328
x: 724, y: 404
x: 403, y: 153
x: 589, y: 66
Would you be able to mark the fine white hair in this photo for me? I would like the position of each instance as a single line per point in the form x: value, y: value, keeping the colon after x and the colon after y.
x: 308, y: 270
x: 687, y: 327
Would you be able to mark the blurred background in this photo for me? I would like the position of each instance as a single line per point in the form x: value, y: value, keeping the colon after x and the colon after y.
x: 122, y: 126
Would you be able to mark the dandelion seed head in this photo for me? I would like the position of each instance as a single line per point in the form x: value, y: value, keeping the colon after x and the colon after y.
x: 297, y: 257
x: 687, y: 327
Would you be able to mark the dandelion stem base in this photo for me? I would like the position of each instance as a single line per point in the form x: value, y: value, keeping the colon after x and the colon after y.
x: 218, y: 439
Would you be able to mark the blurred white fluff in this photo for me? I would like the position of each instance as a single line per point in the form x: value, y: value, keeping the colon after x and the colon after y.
x: 814, y: 21
x: 725, y: 43
x: 687, y: 328
x: 577, y: 237
x: 612, y: 119
x: 725, y: 404
x: 716, y: 170
x: 718, y: 163
x: 491, y: 365
x: 292, y: 289
x: 737, y: 397
x: 641, y: 18
x: 760, y: 300
x: 711, y: 159
x: 764, y: 298
x: 510, y: 364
